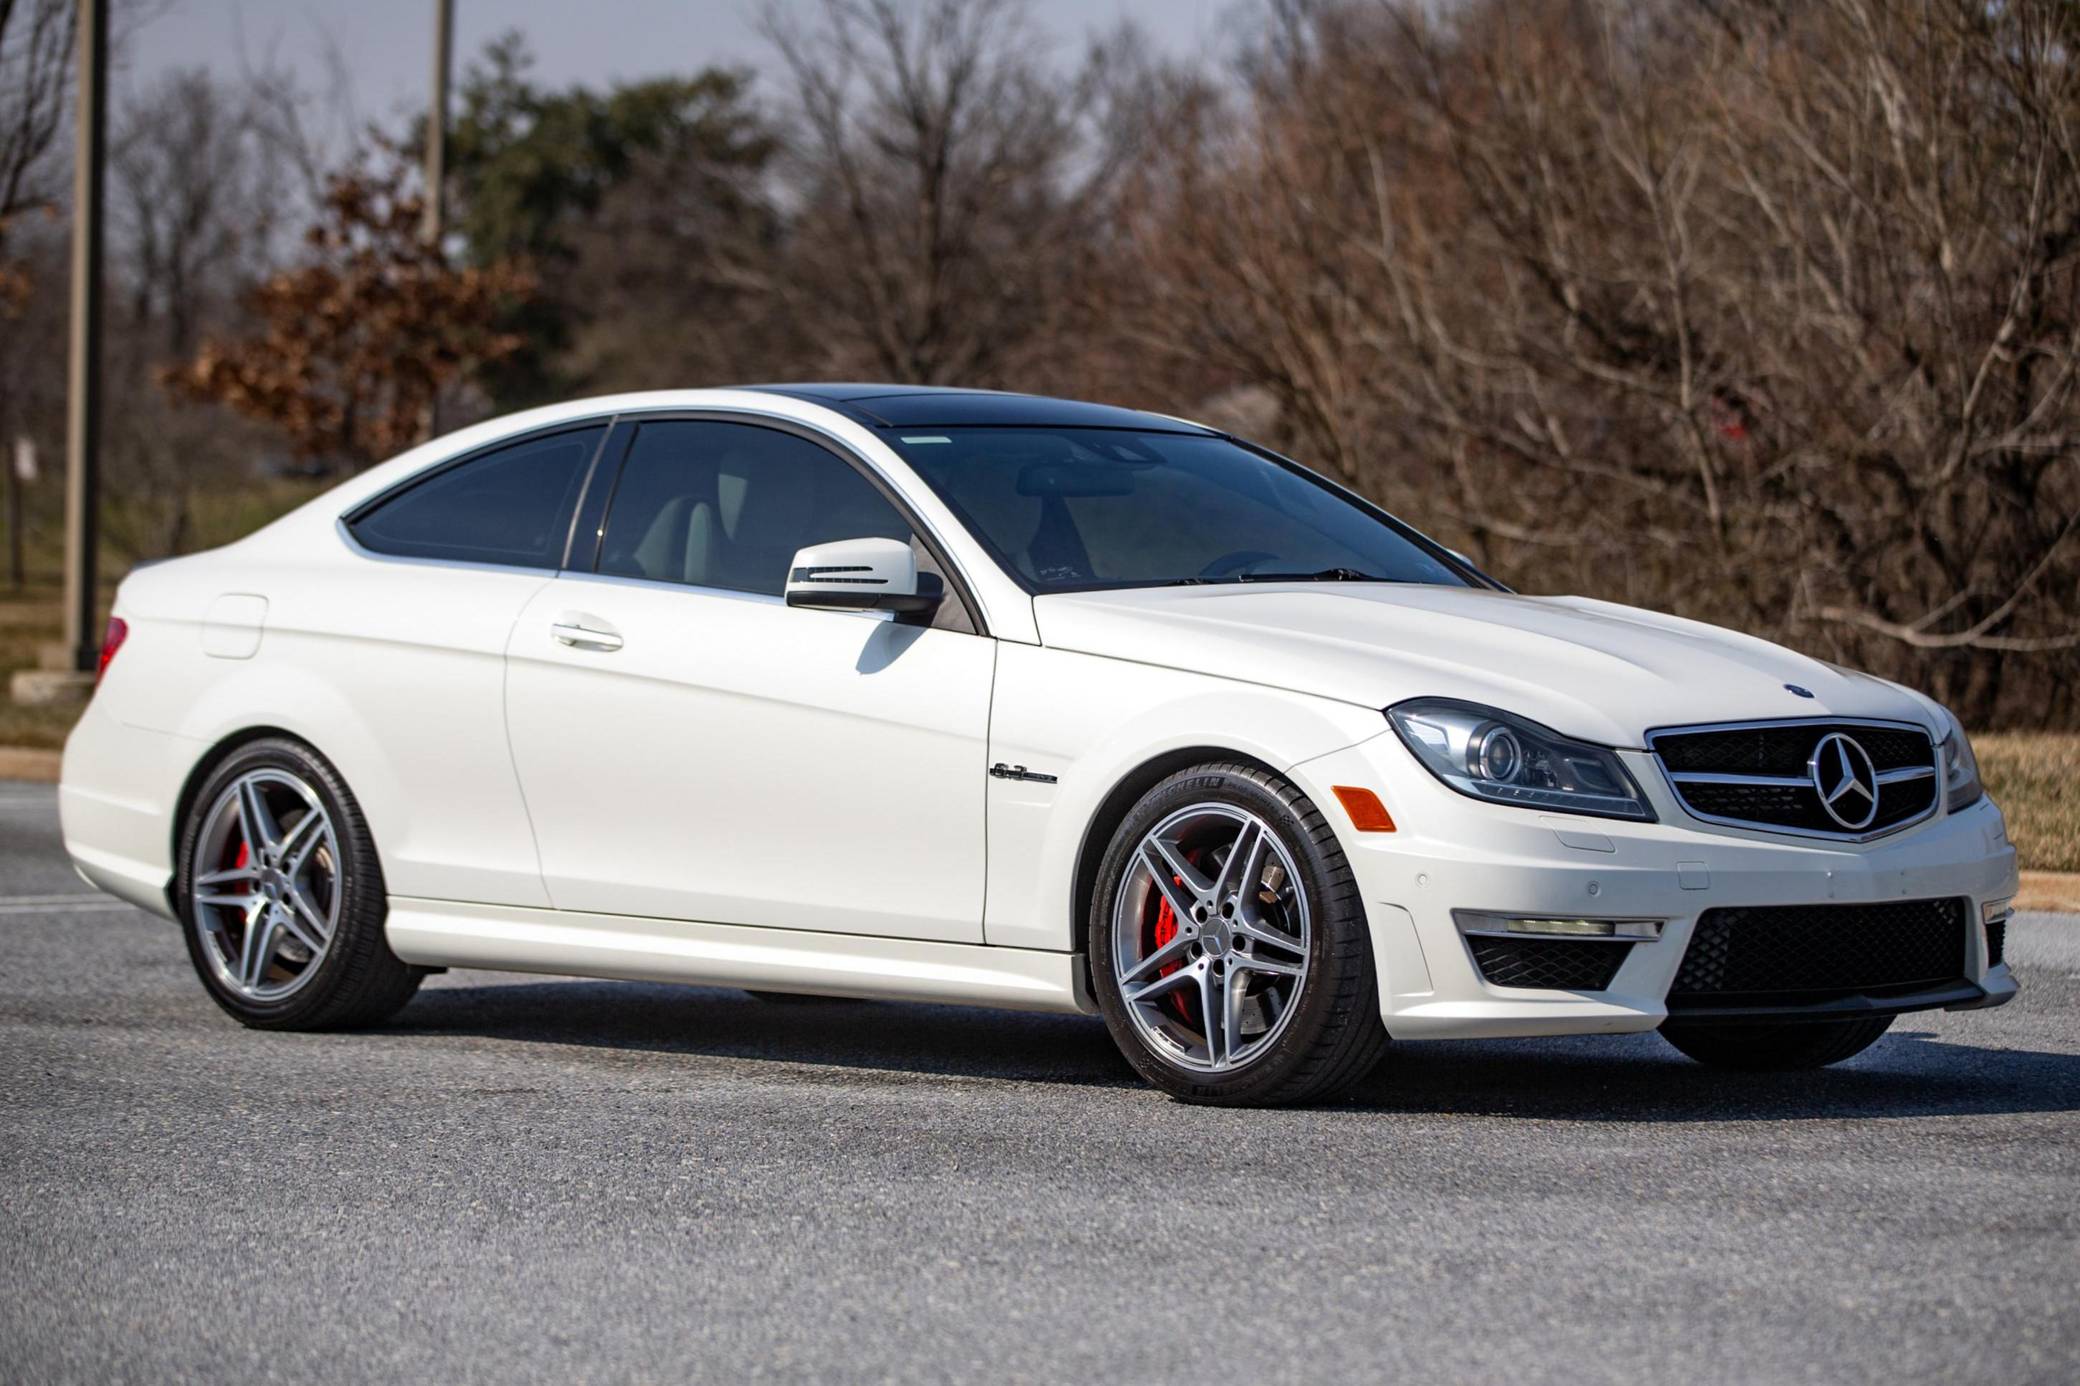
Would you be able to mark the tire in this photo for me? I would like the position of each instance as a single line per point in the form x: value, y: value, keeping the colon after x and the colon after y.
x: 1281, y: 1038
x: 1777, y: 1048
x: 311, y: 906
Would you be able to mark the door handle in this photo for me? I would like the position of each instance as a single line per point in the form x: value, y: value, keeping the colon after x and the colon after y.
x: 571, y: 629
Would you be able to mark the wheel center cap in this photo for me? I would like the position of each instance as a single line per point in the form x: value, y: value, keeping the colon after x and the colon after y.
x: 1214, y: 940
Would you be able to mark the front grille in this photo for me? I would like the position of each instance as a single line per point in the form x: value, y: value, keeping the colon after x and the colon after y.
x: 1782, y: 748
x: 1760, y: 775
x: 1555, y: 964
x: 1808, y: 954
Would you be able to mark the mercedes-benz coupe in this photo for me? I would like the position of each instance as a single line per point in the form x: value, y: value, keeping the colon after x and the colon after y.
x: 959, y: 696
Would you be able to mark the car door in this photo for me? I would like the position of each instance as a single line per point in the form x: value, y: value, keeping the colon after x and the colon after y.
x: 408, y: 636
x: 690, y: 747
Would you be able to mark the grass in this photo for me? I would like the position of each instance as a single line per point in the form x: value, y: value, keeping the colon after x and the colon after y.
x: 2035, y: 778
x: 28, y: 623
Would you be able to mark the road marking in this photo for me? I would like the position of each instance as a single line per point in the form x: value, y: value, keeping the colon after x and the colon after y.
x: 69, y: 904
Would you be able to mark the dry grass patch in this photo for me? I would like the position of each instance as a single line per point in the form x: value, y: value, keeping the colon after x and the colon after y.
x: 2035, y: 778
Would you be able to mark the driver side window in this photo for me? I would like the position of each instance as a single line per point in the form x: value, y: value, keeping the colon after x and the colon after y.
x: 727, y: 505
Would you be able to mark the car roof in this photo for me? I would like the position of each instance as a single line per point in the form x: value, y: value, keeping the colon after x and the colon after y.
x: 928, y: 406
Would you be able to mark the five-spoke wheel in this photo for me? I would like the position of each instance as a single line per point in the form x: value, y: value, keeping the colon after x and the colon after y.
x: 1210, y: 935
x: 282, y: 894
x: 266, y: 911
x: 1228, y: 945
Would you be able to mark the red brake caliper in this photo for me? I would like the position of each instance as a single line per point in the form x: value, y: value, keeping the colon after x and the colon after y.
x: 1165, y: 930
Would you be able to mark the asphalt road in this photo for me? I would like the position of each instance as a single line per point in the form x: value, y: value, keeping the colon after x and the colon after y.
x: 524, y: 1179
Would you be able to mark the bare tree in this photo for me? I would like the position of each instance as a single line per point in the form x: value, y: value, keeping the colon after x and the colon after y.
x: 36, y: 41
x: 1764, y: 313
x: 941, y: 202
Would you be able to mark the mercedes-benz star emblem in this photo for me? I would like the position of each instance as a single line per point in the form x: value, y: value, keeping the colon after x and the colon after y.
x: 1845, y: 780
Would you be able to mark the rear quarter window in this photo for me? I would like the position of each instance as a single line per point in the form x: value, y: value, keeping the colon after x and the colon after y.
x: 511, y: 506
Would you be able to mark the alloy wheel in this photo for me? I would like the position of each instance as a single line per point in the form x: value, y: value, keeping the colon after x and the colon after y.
x: 1210, y: 937
x: 266, y: 895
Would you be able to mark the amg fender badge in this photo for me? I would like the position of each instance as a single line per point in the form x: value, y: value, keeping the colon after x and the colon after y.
x: 1018, y: 772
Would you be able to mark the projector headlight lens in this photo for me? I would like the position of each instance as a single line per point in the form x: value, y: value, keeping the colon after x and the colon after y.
x: 1485, y: 753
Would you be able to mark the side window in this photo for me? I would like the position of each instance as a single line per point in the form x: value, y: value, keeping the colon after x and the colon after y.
x: 726, y: 505
x: 512, y: 506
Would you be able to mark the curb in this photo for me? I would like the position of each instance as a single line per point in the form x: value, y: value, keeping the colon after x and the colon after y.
x: 23, y: 763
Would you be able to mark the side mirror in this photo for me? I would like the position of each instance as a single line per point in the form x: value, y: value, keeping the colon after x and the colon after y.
x: 859, y: 575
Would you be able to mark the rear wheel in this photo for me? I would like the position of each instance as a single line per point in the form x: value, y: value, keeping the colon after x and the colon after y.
x: 1771, y: 1048
x: 282, y: 898
x: 1228, y: 943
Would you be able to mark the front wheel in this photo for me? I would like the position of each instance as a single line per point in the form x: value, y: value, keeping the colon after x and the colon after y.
x: 1776, y: 1047
x: 1228, y: 943
x: 282, y: 898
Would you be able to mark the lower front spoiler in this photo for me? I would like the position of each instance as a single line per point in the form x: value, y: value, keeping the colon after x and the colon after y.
x: 1957, y: 996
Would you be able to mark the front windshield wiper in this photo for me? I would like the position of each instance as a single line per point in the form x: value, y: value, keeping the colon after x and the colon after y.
x: 1320, y: 575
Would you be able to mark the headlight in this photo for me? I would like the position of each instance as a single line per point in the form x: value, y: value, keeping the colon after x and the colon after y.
x: 1491, y: 755
x: 1961, y: 787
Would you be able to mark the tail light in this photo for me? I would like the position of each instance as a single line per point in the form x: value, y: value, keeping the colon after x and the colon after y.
x: 111, y: 640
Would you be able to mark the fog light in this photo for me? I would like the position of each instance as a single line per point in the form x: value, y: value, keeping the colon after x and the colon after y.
x: 1993, y: 911
x: 1481, y: 922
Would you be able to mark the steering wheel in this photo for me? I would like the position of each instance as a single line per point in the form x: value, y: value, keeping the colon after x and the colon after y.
x: 1229, y: 564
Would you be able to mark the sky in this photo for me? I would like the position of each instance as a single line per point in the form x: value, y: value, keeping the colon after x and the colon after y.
x: 385, y: 46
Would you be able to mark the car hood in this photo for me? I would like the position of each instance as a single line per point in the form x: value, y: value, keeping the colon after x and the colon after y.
x: 1588, y: 669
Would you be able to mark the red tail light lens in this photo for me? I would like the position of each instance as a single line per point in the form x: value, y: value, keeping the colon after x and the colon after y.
x: 111, y: 640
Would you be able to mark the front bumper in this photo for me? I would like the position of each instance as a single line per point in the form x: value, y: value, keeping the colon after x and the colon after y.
x: 1453, y: 853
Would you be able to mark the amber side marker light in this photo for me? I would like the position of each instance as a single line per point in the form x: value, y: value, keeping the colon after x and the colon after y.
x: 1368, y: 814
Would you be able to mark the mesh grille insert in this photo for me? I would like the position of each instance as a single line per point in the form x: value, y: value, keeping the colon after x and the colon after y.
x: 1805, y: 954
x: 1557, y: 964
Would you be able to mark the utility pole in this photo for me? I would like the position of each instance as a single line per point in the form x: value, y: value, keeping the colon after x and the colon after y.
x: 437, y: 124
x: 83, y: 364
x: 437, y: 160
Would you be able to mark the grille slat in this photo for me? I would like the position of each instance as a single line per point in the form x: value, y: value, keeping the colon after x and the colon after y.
x: 1555, y: 964
x: 1783, y: 751
x: 1806, y: 954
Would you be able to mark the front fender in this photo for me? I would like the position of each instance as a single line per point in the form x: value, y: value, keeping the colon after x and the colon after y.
x: 1092, y: 723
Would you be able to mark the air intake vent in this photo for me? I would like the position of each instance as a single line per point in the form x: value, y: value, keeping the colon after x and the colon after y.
x: 1566, y: 964
x: 1794, y: 955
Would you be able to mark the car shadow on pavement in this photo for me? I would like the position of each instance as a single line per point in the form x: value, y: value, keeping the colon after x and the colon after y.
x: 892, y: 1037
x: 1910, y: 1073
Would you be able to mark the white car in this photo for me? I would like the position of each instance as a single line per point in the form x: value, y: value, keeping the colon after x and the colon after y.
x: 957, y: 696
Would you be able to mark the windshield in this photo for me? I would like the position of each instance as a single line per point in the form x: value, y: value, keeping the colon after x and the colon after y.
x: 1070, y: 509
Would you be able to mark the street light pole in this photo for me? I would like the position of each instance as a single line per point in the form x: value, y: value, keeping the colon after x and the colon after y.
x: 433, y: 227
x: 437, y: 123
x: 83, y: 362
